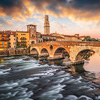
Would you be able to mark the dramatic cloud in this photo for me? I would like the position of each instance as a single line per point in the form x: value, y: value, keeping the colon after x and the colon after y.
x: 11, y: 7
x: 15, y: 9
x: 85, y: 10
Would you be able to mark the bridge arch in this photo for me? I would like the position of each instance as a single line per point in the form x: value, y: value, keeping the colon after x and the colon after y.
x: 61, y: 51
x: 35, y: 51
x: 44, y: 51
x: 84, y: 54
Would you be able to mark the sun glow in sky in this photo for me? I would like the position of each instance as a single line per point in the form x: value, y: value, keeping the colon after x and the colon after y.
x: 65, y: 16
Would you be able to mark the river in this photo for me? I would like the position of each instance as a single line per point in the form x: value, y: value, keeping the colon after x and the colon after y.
x: 25, y: 78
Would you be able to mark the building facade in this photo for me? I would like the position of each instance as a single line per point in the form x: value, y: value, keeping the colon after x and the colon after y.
x: 22, y: 38
x: 31, y: 29
x: 4, y: 40
x: 12, y: 39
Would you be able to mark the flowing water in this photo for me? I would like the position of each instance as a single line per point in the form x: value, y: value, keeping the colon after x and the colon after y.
x: 25, y: 78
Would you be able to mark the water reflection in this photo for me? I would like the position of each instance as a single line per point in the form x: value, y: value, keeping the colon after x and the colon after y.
x: 1, y: 61
x: 94, y: 64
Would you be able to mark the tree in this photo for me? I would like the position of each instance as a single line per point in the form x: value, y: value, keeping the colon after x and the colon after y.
x: 8, y: 45
x: 87, y: 38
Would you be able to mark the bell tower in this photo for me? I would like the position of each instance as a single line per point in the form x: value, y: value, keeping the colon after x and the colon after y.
x: 32, y: 33
x: 46, y: 25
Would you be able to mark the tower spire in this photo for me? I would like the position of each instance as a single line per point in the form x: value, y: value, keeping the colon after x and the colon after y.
x: 46, y: 25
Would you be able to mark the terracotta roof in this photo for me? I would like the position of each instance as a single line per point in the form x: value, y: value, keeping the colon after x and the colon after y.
x: 60, y: 37
x: 69, y: 35
x: 12, y: 33
x: 1, y: 32
x: 48, y: 35
x: 22, y: 31
x: 81, y: 36
x: 55, y: 33
x: 38, y: 32
x: 31, y: 25
x: 8, y: 32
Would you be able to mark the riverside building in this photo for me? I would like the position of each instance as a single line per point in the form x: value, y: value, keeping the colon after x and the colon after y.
x: 27, y: 38
x: 4, y: 42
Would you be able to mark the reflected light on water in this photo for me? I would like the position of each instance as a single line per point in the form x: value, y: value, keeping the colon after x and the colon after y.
x: 2, y: 61
x: 94, y: 64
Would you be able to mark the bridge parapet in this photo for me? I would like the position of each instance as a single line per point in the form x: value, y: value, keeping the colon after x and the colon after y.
x: 68, y: 43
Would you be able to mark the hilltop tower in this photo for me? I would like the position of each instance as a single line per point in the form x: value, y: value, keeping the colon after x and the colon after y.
x: 32, y: 33
x: 46, y: 25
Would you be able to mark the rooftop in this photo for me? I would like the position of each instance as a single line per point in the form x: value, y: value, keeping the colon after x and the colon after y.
x: 22, y: 31
x: 48, y: 35
x: 31, y: 25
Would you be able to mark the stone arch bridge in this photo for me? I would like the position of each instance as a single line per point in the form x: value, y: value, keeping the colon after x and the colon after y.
x: 75, y: 50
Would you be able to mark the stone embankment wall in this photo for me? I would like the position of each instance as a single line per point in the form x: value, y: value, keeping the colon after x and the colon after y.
x: 13, y: 52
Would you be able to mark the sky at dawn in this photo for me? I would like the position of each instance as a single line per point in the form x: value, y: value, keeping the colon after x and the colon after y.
x: 66, y: 16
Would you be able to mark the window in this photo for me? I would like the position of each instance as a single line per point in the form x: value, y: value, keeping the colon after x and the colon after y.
x: 23, y: 34
x: 2, y: 43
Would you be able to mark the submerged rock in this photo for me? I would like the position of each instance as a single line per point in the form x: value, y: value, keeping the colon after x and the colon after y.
x: 96, y: 81
x: 97, y: 92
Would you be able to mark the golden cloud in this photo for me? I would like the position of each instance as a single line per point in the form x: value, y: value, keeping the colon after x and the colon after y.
x: 76, y: 10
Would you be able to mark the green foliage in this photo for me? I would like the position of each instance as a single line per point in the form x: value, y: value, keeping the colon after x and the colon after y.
x: 23, y: 45
x: 29, y: 49
x: 26, y: 51
x: 21, y: 52
x: 88, y: 38
x: 7, y: 53
x: 8, y: 45
x: 87, y: 56
x: 18, y: 45
x: 18, y: 52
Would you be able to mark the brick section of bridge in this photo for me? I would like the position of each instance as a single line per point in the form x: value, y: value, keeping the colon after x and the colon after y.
x: 72, y: 47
